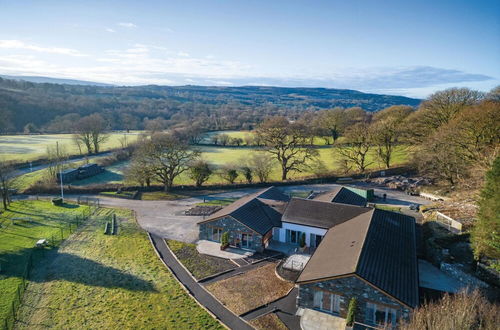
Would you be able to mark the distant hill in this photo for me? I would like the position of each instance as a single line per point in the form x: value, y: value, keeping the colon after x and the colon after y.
x: 40, y: 79
x: 211, y: 107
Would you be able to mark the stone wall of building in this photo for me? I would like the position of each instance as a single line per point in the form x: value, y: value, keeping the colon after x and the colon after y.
x: 234, y: 228
x: 349, y: 287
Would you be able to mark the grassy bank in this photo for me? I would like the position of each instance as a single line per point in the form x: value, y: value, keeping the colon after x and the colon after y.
x: 102, y: 281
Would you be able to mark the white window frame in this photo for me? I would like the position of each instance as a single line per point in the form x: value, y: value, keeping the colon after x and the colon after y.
x: 334, y: 301
x: 372, y: 309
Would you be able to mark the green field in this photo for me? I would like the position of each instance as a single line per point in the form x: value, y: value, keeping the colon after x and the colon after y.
x: 220, y: 156
x: 20, y: 228
x: 32, y: 147
x: 318, y: 141
x: 92, y: 280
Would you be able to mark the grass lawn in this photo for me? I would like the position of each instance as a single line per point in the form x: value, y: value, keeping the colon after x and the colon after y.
x: 250, y: 290
x: 97, y: 281
x: 160, y: 196
x: 268, y: 322
x: 200, y: 265
x: 31, y: 147
x: 33, y: 220
x: 218, y: 202
x: 111, y: 174
x: 123, y: 194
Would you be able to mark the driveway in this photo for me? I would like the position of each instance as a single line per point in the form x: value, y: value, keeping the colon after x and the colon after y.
x: 166, y: 218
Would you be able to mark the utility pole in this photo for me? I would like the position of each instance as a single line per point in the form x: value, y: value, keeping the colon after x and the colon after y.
x: 60, y: 170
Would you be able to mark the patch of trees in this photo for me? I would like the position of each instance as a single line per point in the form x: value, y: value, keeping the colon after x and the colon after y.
x: 54, y: 108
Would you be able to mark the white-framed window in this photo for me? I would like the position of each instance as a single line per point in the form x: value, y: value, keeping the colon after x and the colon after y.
x: 327, y: 301
x: 380, y: 315
x: 216, y: 234
x: 315, y: 240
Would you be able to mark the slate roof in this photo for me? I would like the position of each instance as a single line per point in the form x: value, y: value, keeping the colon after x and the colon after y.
x: 256, y: 211
x: 320, y: 214
x: 342, y: 195
x: 378, y: 246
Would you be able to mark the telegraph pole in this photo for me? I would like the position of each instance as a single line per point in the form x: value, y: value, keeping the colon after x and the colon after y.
x: 60, y: 170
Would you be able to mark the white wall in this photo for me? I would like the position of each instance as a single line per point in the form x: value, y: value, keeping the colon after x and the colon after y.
x: 304, y: 229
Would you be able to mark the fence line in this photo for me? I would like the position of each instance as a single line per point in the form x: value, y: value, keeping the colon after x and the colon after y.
x: 10, y: 319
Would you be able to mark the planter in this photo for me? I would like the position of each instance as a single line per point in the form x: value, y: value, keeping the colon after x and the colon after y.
x: 57, y: 201
x: 223, y: 247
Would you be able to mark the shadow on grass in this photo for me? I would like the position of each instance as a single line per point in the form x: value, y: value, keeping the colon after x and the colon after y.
x: 50, y: 265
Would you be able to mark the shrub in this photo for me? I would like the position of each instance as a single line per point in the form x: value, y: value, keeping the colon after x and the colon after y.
x: 351, y: 312
x: 57, y: 201
x: 463, y: 311
x: 302, y: 240
x: 224, y: 240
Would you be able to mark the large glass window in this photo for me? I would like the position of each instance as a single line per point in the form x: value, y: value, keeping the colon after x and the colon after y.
x: 293, y: 236
x: 246, y: 240
x: 380, y: 315
x: 315, y: 240
x: 216, y: 234
x: 327, y: 301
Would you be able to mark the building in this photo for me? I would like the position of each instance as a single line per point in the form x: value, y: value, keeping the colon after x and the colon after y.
x: 357, y: 251
x: 79, y: 173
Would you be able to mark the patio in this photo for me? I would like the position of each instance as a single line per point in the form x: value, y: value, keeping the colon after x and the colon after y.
x: 213, y: 249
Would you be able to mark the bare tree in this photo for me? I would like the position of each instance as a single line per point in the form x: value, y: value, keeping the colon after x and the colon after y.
x: 247, y: 172
x: 56, y: 156
x: 332, y: 123
x: 91, y: 131
x: 358, y: 140
x: 261, y: 165
x: 168, y: 157
x: 139, y: 170
x: 5, y: 182
x: 286, y: 141
x: 387, y: 129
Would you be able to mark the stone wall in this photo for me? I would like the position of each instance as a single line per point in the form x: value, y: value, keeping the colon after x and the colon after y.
x: 234, y: 228
x: 349, y: 287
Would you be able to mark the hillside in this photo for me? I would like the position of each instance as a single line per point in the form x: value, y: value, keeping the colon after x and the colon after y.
x: 214, y: 107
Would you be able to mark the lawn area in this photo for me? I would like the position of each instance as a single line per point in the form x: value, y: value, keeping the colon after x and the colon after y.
x: 97, y: 281
x: 161, y: 196
x: 218, y: 202
x: 219, y: 156
x: 124, y: 194
x: 32, y: 147
x: 268, y: 322
x: 252, y: 289
x: 20, y: 228
x: 200, y: 265
x: 388, y: 208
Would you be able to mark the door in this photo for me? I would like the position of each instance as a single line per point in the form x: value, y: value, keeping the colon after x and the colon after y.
x: 246, y: 240
x: 216, y: 234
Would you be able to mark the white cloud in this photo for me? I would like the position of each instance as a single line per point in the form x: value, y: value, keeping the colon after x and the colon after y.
x: 127, y: 25
x: 110, y: 30
x: 183, y: 54
x: 17, y: 44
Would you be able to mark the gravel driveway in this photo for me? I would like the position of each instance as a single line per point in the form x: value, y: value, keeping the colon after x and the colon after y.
x: 167, y: 219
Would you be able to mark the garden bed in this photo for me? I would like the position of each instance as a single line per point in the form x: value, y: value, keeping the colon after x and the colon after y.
x: 250, y: 290
x: 268, y: 322
x: 200, y: 265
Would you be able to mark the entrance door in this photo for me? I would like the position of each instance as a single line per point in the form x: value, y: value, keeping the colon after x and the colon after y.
x: 216, y: 234
x: 292, y: 236
x: 245, y: 240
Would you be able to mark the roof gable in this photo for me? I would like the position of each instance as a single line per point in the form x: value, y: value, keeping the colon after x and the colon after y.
x: 342, y: 195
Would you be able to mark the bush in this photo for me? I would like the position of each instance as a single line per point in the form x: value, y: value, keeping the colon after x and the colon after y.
x: 224, y: 241
x: 302, y: 240
x: 463, y: 311
x: 57, y: 201
x: 351, y: 312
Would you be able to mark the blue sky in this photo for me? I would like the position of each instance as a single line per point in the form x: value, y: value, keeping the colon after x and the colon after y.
x: 397, y: 47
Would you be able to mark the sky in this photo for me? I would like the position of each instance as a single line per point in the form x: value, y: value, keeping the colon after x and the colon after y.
x: 399, y: 47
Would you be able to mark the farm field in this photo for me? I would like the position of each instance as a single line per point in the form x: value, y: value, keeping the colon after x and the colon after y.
x: 220, y: 156
x: 32, y: 147
x: 318, y: 141
x: 107, y: 281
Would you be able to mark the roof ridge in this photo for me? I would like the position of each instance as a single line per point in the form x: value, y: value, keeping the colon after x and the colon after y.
x: 364, y: 237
